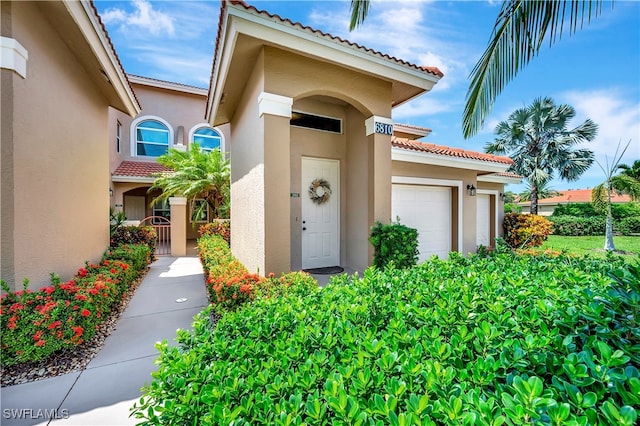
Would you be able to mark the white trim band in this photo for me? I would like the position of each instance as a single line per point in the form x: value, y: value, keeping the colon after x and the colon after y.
x: 177, y: 201
x: 13, y: 56
x: 271, y: 104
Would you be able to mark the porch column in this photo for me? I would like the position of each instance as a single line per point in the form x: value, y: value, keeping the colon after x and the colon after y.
x: 178, y: 226
x: 275, y: 112
x: 379, y: 131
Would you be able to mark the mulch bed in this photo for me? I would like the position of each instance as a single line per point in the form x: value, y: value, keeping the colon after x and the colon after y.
x: 72, y: 359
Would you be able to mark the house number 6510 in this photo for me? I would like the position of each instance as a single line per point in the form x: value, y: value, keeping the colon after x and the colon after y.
x: 384, y: 129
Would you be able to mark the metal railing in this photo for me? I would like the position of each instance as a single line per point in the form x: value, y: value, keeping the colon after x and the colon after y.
x: 162, y: 226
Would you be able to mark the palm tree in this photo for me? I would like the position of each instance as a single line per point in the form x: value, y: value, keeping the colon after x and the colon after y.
x: 543, y: 192
x: 537, y: 139
x: 196, y: 174
x: 601, y: 195
x: 628, y: 180
x: 518, y: 33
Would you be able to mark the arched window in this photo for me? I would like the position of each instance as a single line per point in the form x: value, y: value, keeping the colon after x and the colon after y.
x: 207, y: 138
x: 151, y: 137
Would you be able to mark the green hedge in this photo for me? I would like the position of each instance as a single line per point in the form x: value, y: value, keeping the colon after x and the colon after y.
x: 36, y: 324
x: 394, y: 244
x: 618, y: 211
x: 578, y: 226
x: 504, y: 339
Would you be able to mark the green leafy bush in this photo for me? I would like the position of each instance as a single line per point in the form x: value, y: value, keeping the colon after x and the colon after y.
x: 218, y: 227
x: 230, y: 285
x: 504, y: 339
x: 578, y: 226
x: 618, y: 210
x: 629, y: 225
x: 525, y: 230
x: 36, y: 324
x: 134, y: 235
x: 395, y: 244
x: 512, y: 208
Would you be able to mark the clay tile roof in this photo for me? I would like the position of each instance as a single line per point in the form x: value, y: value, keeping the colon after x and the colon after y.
x: 581, y: 196
x: 430, y: 70
x: 509, y: 175
x: 430, y: 148
x: 139, y: 169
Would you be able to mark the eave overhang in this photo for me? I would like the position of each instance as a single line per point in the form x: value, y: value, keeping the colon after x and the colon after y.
x: 400, y: 154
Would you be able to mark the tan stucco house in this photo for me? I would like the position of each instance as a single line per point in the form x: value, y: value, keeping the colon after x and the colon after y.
x: 172, y: 116
x: 311, y: 113
x: 58, y: 83
x: 304, y: 116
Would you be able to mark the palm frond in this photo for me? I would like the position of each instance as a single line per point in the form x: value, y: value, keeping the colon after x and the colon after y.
x: 518, y: 34
x: 359, y: 11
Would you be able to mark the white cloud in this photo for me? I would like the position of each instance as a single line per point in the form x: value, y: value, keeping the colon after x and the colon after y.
x: 143, y: 17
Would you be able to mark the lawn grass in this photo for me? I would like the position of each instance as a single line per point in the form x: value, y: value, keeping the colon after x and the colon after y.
x: 592, y: 245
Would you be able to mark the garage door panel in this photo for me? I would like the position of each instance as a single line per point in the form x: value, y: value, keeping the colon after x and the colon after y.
x: 427, y: 209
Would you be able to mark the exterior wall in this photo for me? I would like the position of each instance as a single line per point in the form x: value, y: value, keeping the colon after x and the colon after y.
x: 468, y: 202
x: 56, y: 216
x: 247, y: 177
x: 499, y: 188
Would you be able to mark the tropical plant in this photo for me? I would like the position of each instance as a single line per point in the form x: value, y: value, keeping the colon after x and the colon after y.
x: 394, y: 245
x: 601, y: 194
x: 628, y: 180
x: 537, y: 139
x: 518, y: 33
x: 196, y: 174
x: 543, y: 192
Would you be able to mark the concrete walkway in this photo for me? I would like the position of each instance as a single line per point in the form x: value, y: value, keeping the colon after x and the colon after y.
x: 103, y: 393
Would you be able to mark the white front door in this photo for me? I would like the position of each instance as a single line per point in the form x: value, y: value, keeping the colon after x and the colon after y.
x: 320, y: 217
x: 427, y: 209
x: 483, y: 220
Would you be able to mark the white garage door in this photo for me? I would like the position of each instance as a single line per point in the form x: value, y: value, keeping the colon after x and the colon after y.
x: 428, y: 209
x: 483, y: 217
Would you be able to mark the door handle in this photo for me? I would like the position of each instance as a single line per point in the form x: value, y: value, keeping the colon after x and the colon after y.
x: 304, y: 228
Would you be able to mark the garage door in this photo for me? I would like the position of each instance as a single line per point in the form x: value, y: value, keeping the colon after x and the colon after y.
x: 428, y: 209
x: 483, y: 217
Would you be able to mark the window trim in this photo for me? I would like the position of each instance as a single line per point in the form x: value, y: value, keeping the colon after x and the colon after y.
x: 192, y: 210
x: 294, y: 111
x: 134, y: 140
x: 118, y: 136
x: 197, y: 127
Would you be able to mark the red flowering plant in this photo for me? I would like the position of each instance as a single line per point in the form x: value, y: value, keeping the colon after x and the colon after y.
x: 36, y: 324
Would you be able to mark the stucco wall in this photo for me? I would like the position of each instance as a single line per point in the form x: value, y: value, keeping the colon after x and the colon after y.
x: 60, y: 158
x: 499, y: 188
x: 247, y: 177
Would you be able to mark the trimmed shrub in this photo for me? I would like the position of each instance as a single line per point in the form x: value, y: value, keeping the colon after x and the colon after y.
x: 629, y: 225
x: 218, y: 227
x: 578, y: 226
x: 134, y: 235
x: 230, y: 285
x: 512, y: 208
x: 525, y: 230
x: 621, y: 211
x: 575, y: 209
x: 505, y: 339
x: 36, y: 324
x: 394, y: 244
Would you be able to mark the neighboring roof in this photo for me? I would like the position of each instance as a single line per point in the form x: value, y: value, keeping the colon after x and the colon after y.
x: 579, y: 196
x: 409, y: 131
x: 169, y: 85
x: 243, y: 29
x: 137, y: 171
x: 412, y: 151
x: 430, y: 148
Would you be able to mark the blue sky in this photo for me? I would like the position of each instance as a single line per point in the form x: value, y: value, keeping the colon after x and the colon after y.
x: 596, y: 70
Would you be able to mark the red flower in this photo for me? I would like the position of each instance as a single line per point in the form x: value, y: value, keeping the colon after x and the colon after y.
x: 85, y: 313
x: 12, y: 322
x: 48, y: 290
x: 40, y: 343
x: 78, y: 330
x: 55, y: 324
x: 38, y: 335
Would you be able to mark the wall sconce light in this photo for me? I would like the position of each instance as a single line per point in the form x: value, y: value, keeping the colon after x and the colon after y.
x: 110, y: 192
x: 502, y: 196
x: 471, y: 190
